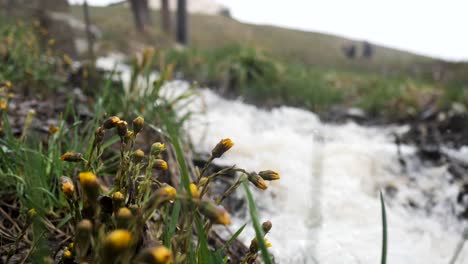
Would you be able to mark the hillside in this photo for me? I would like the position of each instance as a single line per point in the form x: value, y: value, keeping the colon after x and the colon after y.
x: 208, y: 32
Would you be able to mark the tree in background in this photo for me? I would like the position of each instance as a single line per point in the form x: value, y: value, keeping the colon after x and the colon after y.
x: 165, y: 17
x: 182, y: 22
x: 141, y: 14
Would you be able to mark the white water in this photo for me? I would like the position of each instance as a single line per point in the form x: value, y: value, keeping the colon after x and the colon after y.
x: 325, y: 208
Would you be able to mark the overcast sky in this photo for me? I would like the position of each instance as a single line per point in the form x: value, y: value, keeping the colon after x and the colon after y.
x: 431, y: 27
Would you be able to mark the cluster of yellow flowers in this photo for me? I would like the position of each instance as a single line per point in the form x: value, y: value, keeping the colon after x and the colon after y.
x: 113, y: 233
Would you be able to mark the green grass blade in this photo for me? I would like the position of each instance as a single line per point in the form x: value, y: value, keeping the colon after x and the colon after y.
x: 234, y: 237
x: 256, y: 223
x: 384, y: 231
x: 203, y: 250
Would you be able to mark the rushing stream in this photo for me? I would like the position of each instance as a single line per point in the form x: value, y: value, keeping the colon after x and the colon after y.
x: 326, y: 207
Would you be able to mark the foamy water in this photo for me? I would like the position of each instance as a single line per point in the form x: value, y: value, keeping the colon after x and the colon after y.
x: 325, y: 208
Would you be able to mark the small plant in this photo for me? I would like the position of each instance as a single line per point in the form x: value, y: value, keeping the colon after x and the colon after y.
x: 112, y: 225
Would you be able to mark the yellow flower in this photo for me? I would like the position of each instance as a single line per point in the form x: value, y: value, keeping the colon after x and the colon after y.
x: 72, y: 156
x: 51, y: 42
x: 161, y: 255
x: 167, y: 190
x: 267, y: 243
x: 269, y: 175
x: 122, y: 128
x: 8, y: 84
x: 90, y: 184
x: 138, y: 155
x: 257, y: 181
x: 156, y: 255
x: 138, y: 124
x: 32, y: 212
x: 123, y: 217
x: 118, y: 199
x: 217, y: 214
x: 223, y: 146
x: 111, y: 122
x: 194, y: 191
x: 67, y: 254
x: 160, y: 164
x: 68, y: 189
x: 118, y: 240
x: 53, y: 129
x: 157, y: 148
x: 3, y: 104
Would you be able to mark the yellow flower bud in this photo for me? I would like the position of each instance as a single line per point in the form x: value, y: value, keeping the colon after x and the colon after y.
x: 32, y: 212
x: 223, y: 146
x: 51, y: 42
x: 53, y: 129
x: 167, y: 191
x: 123, y: 217
x: 72, y: 156
x: 122, y: 128
x: 128, y: 136
x: 269, y: 175
x: 138, y: 155
x: 157, y: 148
x: 90, y: 184
x: 156, y: 255
x: 160, y: 164
x: 217, y: 214
x: 67, y: 187
x: 117, y: 240
x: 194, y: 191
x: 67, y: 60
x: 83, y: 237
x: 111, y: 122
x: 257, y: 181
x: 3, y: 104
x: 67, y: 254
x: 138, y: 124
x: 8, y: 84
x: 118, y: 199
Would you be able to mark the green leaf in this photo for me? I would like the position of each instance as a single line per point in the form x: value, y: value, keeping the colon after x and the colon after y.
x: 256, y: 223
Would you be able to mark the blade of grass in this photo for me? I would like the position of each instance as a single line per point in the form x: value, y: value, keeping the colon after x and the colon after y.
x: 256, y: 223
x: 234, y: 237
x: 384, y: 231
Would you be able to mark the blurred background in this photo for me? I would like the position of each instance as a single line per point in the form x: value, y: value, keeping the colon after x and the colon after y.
x: 344, y: 98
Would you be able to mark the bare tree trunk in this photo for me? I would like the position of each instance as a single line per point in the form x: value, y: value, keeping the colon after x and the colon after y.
x: 141, y: 14
x: 182, y: 22
x: 165, y: 17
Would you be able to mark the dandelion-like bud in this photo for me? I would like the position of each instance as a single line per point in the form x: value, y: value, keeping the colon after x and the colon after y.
x: 257, y: 181
x: 123, y: 217
x: 160, y: 164
x: 118, y: 199
x: 223, y: 146
x: 53, y: 129
x: 217, y: 214
x: 138, y: 155
x: 111, y: 122
x: 157, y: 148
x: 72, y: 156
x: 128, y: 136
x: 3, y: 104
x: 266, y: 226
x: 156, y: 255
x: 194, y: 191
x: 115, y: 243
x: 269, y: 175
x: 138, y: 124
x: 253, y: 248
x: 67, y: 187
x: 32, y: 212
x: 83, y: 233
x: 67, y: 255
x: 166, y: 191
x: 122, y: 128
x: 89, y: 182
